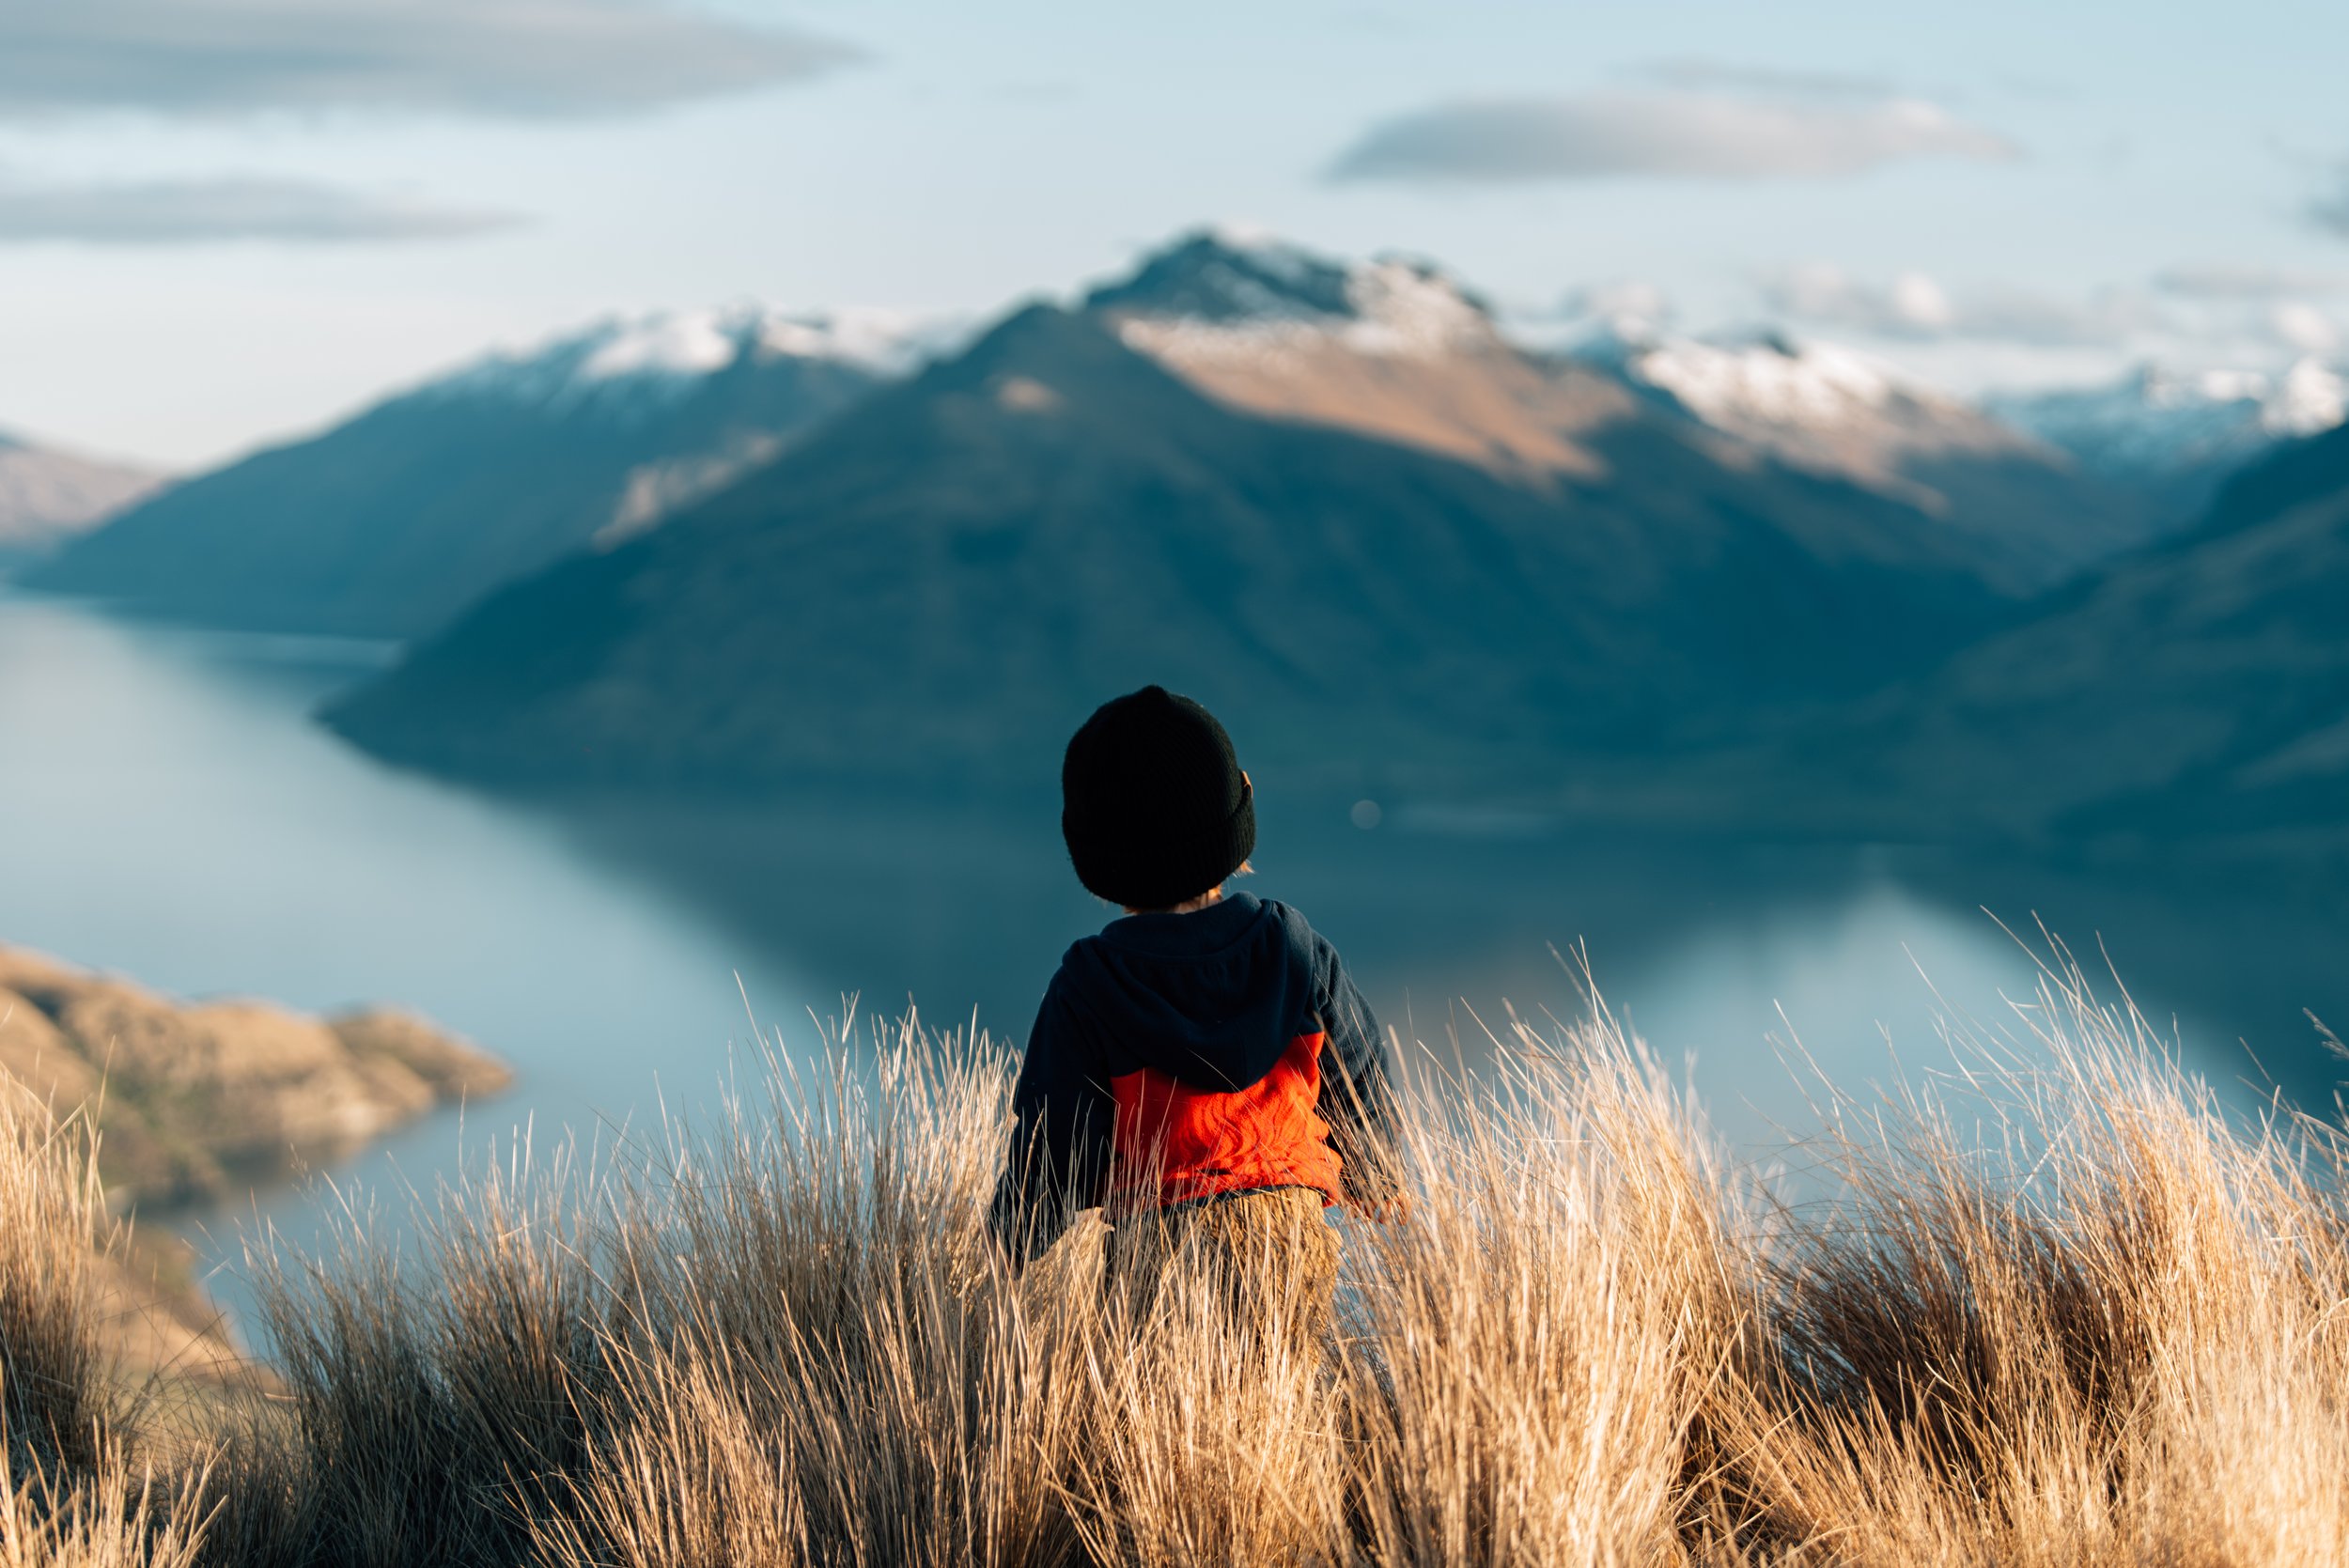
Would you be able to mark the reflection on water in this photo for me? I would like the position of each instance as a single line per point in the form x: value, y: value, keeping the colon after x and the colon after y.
x: 166, y: 810
x: 1711, y: 951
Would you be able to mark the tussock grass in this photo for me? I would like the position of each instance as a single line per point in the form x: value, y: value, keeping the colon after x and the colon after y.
x: 2060, y: 1309
x: 72, y: 1495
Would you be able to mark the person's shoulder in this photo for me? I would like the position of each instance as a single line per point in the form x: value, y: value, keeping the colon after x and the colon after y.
x: 1292, y: 917
x: 1077, y: 959
x: 1303, y: 939
x: 1084, y: 965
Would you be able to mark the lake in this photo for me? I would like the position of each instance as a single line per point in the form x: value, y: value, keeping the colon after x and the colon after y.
x: 168, y: 811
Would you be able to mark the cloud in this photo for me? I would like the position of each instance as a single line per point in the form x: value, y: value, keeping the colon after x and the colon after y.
x: 532, y: 58
x: 2228, y: 280
x: 2302, y: 328
x: 1912, y: 306
x: 1915, y: 307
x: 1665, y: 134
x: 178, y: 212
x: 1622, y: 299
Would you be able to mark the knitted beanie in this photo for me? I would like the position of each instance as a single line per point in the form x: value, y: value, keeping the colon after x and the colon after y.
x: 1153, y: 803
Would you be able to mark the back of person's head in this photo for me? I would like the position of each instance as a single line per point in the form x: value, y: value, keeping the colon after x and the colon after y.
x: 1154, y: 806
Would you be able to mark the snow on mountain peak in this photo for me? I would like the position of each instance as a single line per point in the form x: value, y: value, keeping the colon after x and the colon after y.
x: 628, y: 364
x: 1767, y: 379
x: 2157, y: 421
x: 2310, y: 397
x: 1811, y: 405
x: 686, y: 343
x: 1221, y: 293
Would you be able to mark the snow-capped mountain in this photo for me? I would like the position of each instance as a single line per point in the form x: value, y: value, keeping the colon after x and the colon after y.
x: 1836, y: 412
x: 48, y: 497
x: 631, y: 366
x: 1394, y: 349
x: 2157, y: 426
x: 1225, y: 294
x: 1812, y: 402
x: 387, y: 524
x: 1327, y: 498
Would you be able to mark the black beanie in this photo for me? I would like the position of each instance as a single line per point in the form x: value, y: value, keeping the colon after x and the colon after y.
x: 1153, y: 803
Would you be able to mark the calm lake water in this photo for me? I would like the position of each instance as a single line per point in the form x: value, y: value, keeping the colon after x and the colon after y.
x: 168, y: 811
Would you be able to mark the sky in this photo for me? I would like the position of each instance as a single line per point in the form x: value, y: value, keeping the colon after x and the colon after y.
x: 225, y: 223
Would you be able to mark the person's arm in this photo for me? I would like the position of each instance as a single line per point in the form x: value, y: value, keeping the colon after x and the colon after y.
x: 1357, y: 1086
x: 1059, y: 1159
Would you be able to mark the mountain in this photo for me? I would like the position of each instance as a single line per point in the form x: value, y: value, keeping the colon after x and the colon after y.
x: 388, y: 524
x: 1392, y: 351
x: 48, y: 497
x: 2035, y: 513
x: 2177, y: 437
x: 1331, y: 501
x: 2198, y: 690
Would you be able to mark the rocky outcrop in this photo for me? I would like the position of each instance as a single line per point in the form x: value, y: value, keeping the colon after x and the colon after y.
x: 195, y: 1098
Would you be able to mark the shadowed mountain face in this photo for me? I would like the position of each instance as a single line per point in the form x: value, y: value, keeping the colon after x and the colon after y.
x: 48, y: 498
x: 937, y: 586
x: 387, y: 526
x: 2199, y: 689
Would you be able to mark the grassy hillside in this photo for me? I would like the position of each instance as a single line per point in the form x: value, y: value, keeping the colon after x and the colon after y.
x: 2108, y: 1336
x: 192, y: 1096
x: 150, y: 1103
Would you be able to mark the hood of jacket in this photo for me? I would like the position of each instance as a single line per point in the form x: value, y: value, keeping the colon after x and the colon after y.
x: 1212, y: 997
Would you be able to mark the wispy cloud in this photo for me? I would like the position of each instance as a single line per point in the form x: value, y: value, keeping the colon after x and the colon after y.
x: 1917, y: 308
x: 2234, y: 280
x: 508, y: 57
x: 1695, y: 135
x: 161, y: 212
x: 1623, y: 302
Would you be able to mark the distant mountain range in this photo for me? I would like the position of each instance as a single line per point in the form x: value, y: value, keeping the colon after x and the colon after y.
x: 48, y: 497
x: 1748, y: 580
x: 2175, y: 438
x: 390, y: 523
x: 2034, y: 513
x: 1332, y: 500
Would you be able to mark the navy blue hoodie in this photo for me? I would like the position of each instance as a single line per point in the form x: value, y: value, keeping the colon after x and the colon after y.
x: 1213, y: 999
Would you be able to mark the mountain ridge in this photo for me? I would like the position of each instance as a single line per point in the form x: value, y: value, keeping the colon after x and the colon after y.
x: 1054, y: 512
x: 2177, y: 437
x: 2038, y: 516
x: 389, y: 524
x: 2197, y: 691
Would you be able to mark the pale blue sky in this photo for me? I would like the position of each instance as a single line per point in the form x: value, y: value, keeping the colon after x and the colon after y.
x: 404, y: 183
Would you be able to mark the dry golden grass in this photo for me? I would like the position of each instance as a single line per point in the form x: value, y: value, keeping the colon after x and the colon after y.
x: 72, y: 1495
x: 2073, y: 1314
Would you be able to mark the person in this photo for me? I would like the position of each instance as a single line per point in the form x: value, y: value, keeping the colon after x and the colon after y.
x: 1203, y: 1071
